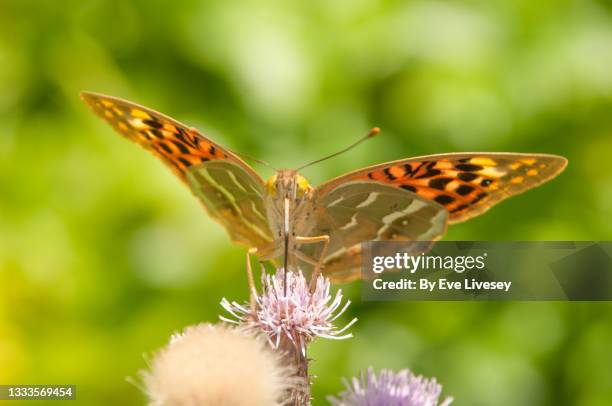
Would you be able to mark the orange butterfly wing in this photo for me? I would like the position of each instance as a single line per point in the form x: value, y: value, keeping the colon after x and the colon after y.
x: 466, y: 184
x: 177, y: 145
x: 230, y: 190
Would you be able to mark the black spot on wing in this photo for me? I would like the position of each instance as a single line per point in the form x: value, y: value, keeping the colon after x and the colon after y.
x: 444, y: 199
x: 430, y: 173
x: 459, y: 208
x: 478, y: 198
x: 155, y: 132
x: 410, y: 188
x: 184, y: 161
x: 165, y: 147
x: 153, y: 123
x: 464, y: 190
x: 181, y: 136
x: 439, y: 183
x: 468, y: 167
x: 389, y: 175
x: 414, y: 172
x: 467, y: 176
x: 181, y: 146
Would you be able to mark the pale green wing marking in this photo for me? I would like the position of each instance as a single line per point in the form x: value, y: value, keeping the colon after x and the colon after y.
x: 234, y: 197
x: 360, y: 211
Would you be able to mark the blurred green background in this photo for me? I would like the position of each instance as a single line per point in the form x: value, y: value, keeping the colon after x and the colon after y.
x: 104, y: 253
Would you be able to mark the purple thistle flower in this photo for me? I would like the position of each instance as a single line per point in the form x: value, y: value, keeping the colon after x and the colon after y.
x: 390, y: 389
x: 300, y: 314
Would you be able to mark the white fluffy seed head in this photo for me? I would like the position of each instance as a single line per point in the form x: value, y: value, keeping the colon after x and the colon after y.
x: 216, y: 365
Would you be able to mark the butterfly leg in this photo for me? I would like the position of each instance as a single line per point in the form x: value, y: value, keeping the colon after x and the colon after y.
x: 310, y: 261
x: 318, y: 263
x: 250, y: 279
x: 305, y: 258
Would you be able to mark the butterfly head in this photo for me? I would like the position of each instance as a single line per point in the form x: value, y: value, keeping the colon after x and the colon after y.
x: 288, y: 184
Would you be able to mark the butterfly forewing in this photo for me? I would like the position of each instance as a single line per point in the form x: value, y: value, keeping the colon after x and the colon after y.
x: 357, y: 211
x: 466, y: 184
x: 185, y: 151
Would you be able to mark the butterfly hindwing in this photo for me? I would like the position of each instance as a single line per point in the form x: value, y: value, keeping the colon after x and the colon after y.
x: 233, y: 200
x: 187, y: 152
x: 357, y: 211
x: 466, y: 184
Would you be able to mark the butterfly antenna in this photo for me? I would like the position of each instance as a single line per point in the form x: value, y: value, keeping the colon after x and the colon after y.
x: 373, y: 133
x: 250, y: 158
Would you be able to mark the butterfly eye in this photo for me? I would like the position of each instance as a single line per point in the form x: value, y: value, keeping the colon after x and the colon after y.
x: 271, y: 185
x: 302, y: 186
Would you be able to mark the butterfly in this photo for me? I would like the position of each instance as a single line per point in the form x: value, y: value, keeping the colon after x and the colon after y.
x: 411, y: 199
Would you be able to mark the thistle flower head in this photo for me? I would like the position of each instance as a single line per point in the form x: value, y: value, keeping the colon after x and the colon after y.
x: 209, y: 365
x: 390, y: 389
x: 297, y: 313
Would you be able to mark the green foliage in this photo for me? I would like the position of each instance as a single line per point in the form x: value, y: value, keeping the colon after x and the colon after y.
x: 103, y: 253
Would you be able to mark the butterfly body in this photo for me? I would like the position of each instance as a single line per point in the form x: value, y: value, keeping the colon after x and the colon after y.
x: 411, y: 199
x: 289, y: 207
